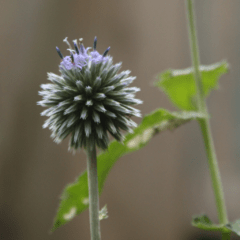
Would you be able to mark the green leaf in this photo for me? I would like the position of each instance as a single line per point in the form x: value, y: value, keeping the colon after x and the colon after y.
x: 180, y: 86
x: 74, y: 199
x: 234, y: 226
x: 204, y: 222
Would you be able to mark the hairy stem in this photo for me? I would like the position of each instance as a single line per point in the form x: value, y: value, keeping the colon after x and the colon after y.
x: 205, y: 125
x: 93, y: 191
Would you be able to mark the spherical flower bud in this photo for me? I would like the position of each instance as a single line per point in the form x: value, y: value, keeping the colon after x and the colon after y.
x: 89, y: 98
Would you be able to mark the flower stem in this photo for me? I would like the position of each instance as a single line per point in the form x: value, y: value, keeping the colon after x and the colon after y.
x: 93, y: 190
x: 205, y: 125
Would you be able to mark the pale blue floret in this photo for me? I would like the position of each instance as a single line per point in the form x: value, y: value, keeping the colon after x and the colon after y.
x: 80, y: 57
x: 96, y: 57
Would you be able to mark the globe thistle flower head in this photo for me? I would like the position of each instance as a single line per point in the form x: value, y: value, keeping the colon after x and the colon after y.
x: 89, y: 98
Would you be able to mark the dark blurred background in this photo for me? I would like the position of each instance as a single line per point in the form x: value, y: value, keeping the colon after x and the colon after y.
x: 151, y: 194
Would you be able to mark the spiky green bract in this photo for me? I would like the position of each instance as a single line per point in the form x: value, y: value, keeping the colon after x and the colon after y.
x: 89, y: 102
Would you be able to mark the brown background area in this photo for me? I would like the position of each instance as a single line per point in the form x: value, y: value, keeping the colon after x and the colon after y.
x: 151, y: 194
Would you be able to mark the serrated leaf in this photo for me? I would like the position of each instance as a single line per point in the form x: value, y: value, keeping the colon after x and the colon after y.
x: 234, y: 227
x: 74, y: 199
x: 180, y: 86
x: 204, y: 222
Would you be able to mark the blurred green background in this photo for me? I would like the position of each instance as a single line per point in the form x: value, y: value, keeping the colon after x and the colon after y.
x: 151, y: 194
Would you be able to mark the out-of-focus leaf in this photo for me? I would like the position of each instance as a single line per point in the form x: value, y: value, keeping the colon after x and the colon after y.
x: 234, y: 227
x: 204, y: 222
x: 74, y: 199
x: 180, y: 86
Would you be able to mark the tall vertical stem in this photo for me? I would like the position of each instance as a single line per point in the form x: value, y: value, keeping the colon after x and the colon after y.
x: 204, y: 123
x: 93, y: 190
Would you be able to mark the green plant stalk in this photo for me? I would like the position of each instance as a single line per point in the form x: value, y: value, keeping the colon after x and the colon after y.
x: 205, y: 125
x: 93, y: 191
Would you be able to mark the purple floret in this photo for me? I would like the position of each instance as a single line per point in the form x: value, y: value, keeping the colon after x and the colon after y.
x: 84, y: 51
x: 80, y: 60
x: 81, y: 57
x: 67, y: 63
x: 96, y: 57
